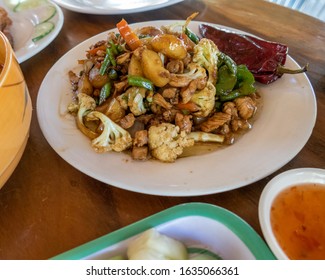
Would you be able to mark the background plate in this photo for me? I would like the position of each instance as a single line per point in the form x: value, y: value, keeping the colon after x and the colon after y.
x: 114, y: 7
x: 279, y: 133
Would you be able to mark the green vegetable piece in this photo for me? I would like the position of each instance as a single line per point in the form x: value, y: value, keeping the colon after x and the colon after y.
x: 104, y: 93
x: 110, y: 53
x: 41, y: 30
x: 108, y: 60
x: 113, y: 48
x: 226, y: 81
x: 227, y: 60
x: 105, y: 64
x: 244, y: 85
x: 139, y: 81
x: 193, y: 37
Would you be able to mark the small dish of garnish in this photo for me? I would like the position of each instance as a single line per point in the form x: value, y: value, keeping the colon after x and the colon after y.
x: 292, y: 214
x: 173, y: 234
x: 34, y: 24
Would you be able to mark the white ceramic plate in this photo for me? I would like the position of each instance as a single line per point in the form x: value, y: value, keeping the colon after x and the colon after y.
x: 273, y: 188
x: 24, y: 23
x: 283, y: 127
x: 111, y: 7
x: 221, y: 232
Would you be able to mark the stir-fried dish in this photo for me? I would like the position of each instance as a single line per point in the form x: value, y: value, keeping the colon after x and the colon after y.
x: 155, y: 91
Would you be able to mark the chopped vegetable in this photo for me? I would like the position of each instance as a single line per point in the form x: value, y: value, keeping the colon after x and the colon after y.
x: 193, y: 37
x: 104, y: 93
x: 206, y: 55
x: 131, y: 39
x: 167, y: 142
x: 113, y: 136
x: 41, y: 30
x: 244, y: 84
x: 199, y: 136
x: 139, y: 81
x: 86, y: 104
x: 108, y: 60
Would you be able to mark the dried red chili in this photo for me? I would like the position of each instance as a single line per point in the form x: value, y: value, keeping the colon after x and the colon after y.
x: 264, y: 59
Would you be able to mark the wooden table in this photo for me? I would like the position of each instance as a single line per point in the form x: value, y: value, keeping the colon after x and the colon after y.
x: 48, y: 207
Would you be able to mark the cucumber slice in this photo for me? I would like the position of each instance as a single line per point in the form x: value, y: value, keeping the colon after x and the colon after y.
x: 28, y: 4
x: 196, y: 253
x: 46, y: 13
x: 42, y: 29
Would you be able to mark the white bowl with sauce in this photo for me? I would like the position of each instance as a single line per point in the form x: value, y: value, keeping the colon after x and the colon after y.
x: 292, y: 214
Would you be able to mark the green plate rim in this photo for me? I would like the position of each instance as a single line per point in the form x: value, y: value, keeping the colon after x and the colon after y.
x: 237, y: 225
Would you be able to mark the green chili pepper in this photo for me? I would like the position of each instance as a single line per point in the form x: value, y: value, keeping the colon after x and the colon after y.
x: 226, y: 81
x: 104, y: 93
x: 139, y: 81
x: 110, y: 53
x: 113, y: 48
x: 227, y: 60
x: 105, y: 64
x: 108, y: 60
x: 245, y: 80
x: 244, y: 85
x: 193, y: 37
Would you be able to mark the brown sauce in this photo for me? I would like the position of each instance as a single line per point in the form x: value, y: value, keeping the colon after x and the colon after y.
x: 298, y: 221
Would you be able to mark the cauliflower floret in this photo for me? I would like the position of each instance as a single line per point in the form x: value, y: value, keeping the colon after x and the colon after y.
x: 133, y: 98
x: 205, y: 99
x: 166, y: 141
x: 193, y: 71
x: 85, y: 105
x: 113, y: 136
x: 206, y: 55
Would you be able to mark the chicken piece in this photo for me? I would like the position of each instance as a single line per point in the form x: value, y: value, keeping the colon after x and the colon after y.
x: 246, y: 107
x: 225, y: 129
x: 123, y: 58
x: 74, y: 79
x: 161, y: 101
x: 175, y: 66
x: 184, y: 122
x: 218, y: 119
x: 140, y: 153
x: 119, y: 87
x: 230, y: 108
x: 169, y: 115
x: 169, y: 93
x: 127, y: 121
x: 187, y: 92
x: 238, y: 124
x: 140, y: 138
x: 140, y: 145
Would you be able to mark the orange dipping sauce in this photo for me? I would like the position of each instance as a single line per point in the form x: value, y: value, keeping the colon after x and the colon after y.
x: 298, y: 221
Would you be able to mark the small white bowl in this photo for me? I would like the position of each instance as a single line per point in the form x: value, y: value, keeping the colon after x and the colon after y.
x: 273, y: 188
